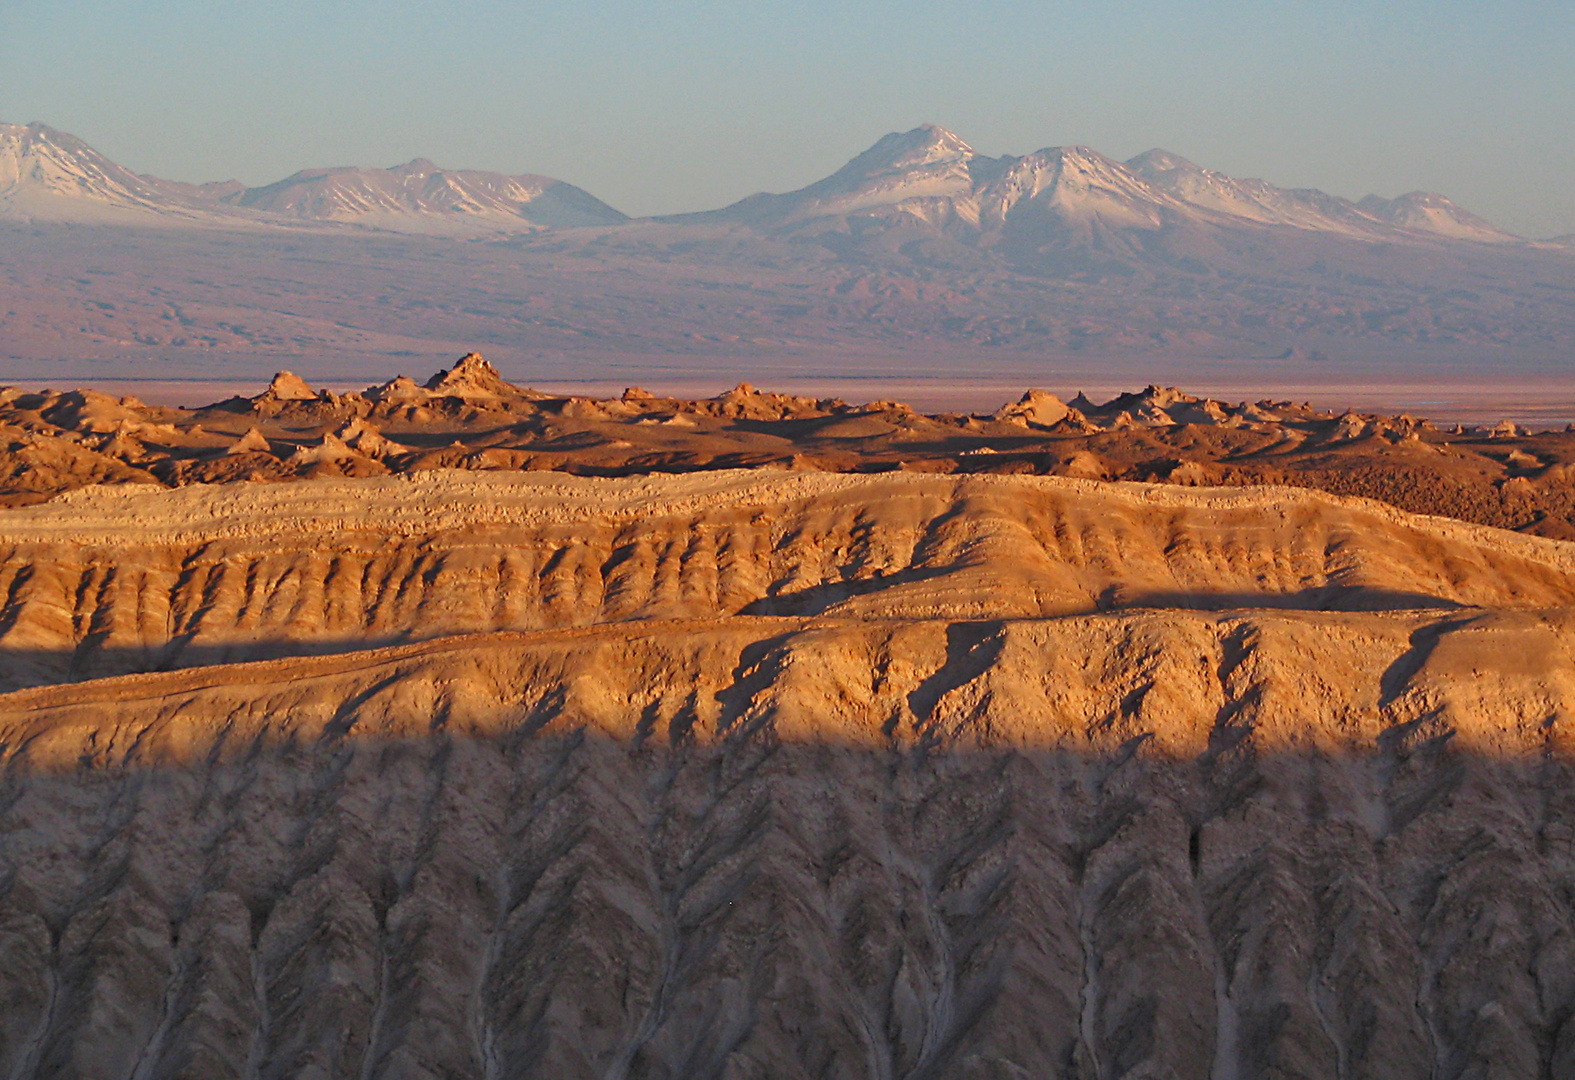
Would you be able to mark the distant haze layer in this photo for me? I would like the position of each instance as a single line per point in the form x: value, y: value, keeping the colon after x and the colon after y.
x: 920, y: 263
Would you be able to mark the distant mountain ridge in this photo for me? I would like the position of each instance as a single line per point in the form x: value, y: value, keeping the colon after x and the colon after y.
x: 919, y: 254
x: 47, y: 175
x: 419, y: 191
x: 930, y: 175
x: 927, y: 178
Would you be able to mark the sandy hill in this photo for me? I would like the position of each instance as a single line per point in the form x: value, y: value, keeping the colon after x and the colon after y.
x: 132, y: 578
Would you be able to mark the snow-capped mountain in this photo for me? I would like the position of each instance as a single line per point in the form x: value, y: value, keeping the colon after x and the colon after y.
x: 1079, y: 187
x: 1429, y: 211
x: 421, y: 197
x: 49, y: 176
x: 931, y: 175
x: 1308, y: 208
x: 926, y: 163
x: 927, y: 178
x: 1251, y: 200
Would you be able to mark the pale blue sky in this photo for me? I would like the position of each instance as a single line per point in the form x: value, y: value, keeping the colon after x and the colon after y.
x: 692, y: 104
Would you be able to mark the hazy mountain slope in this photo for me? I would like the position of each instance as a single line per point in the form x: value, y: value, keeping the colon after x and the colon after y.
x: 699, y: 308
x: 49, y: 176
x: 420, y: 197
x: 1430, y: 212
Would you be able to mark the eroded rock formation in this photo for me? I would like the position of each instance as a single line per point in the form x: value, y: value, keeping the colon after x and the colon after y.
x: 777, y: 774
x: 469, y: 417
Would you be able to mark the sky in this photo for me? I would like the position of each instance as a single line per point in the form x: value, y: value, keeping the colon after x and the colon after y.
x: 691, y: 104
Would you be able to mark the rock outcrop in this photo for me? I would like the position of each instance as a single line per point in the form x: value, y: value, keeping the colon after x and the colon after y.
x: 119, y: 580
x: 769, y: 773
x: 470, y: 417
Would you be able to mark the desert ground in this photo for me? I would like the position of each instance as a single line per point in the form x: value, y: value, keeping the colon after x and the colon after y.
x: 454, y: 729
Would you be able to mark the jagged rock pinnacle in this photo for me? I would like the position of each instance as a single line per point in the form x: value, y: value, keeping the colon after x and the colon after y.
x: 472, y: 376
x: 288, y: 386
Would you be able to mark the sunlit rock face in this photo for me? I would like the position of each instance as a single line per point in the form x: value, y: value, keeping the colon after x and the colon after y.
x: 770, y: 774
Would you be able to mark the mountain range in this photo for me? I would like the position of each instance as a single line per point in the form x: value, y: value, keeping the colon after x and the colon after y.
x: 929, y: 176
x: 47, y: 175
x: 919, y: 259
x: 924, y: 179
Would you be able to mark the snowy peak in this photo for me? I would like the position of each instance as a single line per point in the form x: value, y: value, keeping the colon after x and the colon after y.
x: 925, y: 149
x: 47, y: 175
x: 1079, y: 186
x: 927, y: 163
x: 1427, y: 211
x: 926, y: 160
x: 420, y: 197
x: 1252, y: 200
x: 1256, y: 200
x: 1156, y: 163
x: 932, y: 177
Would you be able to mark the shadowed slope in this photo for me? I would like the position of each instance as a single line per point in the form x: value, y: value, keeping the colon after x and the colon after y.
x: 1119, y: 845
